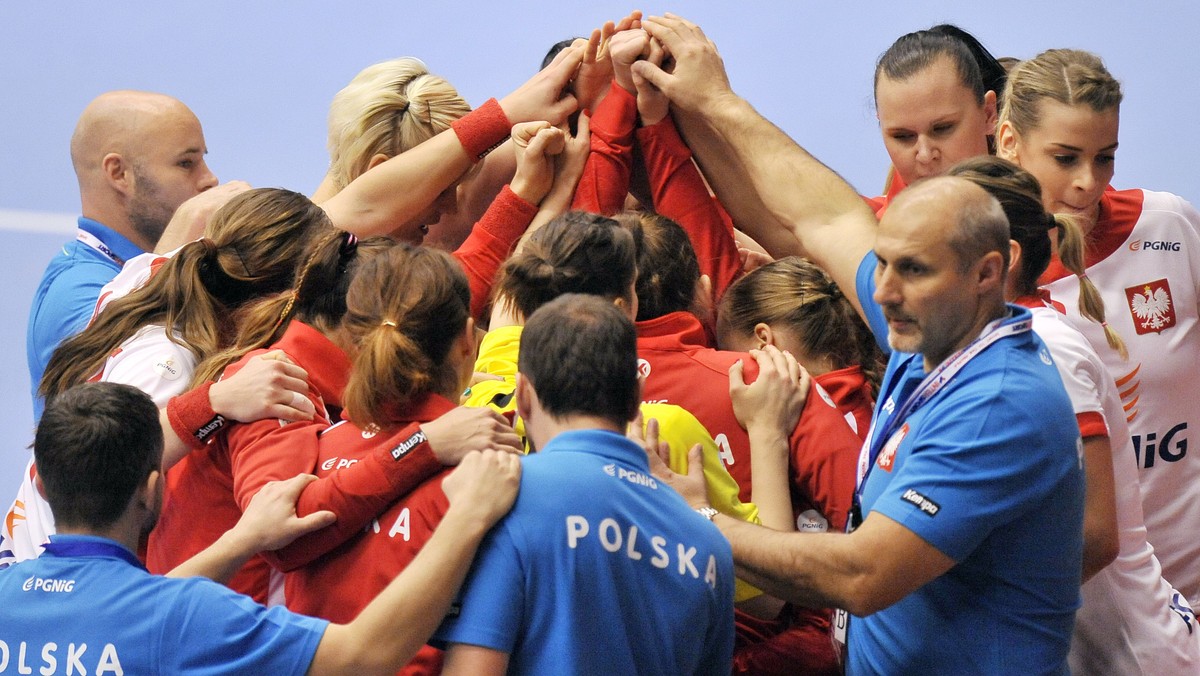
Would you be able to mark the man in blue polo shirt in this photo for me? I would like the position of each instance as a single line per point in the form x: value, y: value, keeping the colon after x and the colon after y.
x: 599, y: 567
x: 967, y: 555
x: 88, y: 606
x: 138, y: 156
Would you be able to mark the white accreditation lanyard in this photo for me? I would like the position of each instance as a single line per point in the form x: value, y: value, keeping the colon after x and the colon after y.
x: 94, y: 242
x: 878, y: 436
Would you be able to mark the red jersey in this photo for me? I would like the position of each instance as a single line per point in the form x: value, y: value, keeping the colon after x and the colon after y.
x: 680, y: 370
x: 851, y: 393
x: 676, y: 186
x: 338, y: 585
x: 880, y: 204
x: 207, y: 491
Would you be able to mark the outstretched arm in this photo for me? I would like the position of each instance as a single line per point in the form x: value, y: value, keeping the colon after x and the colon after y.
x: 269, y: 522
x: 866, y: 571
x: 372, y: 204
x: 779, y: 194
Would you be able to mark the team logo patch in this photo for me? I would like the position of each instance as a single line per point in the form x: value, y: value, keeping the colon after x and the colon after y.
x: 1151, y: 307
x: 811, y: 521
x: 887, y: 456
x: 643, y: 369
x: 166, y: 368
x: 1152, y: 245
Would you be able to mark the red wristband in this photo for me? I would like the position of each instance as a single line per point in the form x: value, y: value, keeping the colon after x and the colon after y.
x: 192, y: 417
x: 482, y: 130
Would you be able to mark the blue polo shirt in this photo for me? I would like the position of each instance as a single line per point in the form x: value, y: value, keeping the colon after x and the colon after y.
x: 598, y: 569
x: 87, y: 606
x: 989, y: 472
x: 66, y: 296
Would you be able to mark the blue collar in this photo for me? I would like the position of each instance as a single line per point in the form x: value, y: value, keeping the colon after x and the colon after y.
x: 603, y: 443
x: 74, y: 546
x: 120, y: 245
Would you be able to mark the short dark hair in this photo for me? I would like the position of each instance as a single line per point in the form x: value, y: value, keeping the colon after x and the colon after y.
x: 95, y: 444
x: 579, y: 352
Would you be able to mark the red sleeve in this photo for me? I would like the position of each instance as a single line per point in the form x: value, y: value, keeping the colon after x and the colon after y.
x: 605, y: 180
x: 491, y: 241
x: 269, y: 450
x: 680, y: 194
x: 824, y: 460
x: 359, y: 493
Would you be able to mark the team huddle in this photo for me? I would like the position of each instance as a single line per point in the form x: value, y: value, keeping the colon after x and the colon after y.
x: 610, y: 374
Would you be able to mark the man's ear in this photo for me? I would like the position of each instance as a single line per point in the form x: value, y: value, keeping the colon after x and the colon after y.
x: 147, y: 494
x: 41, y: 487
x: 991, y: 272
x: 118, y: 173
x: 526, y: 398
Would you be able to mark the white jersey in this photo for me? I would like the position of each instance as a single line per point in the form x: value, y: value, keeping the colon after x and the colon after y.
x: 150, y: 362
x: 1132, y: 621
x: 133, y: 276
x: 1144, y: 256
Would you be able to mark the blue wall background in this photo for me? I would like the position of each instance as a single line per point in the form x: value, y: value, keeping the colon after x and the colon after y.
x: 260, y: 76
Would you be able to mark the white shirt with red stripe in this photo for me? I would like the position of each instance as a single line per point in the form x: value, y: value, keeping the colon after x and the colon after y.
x: 1144, y: 256
x: 1132, y: 621
x: 133, y: 276
x: 148, y: 361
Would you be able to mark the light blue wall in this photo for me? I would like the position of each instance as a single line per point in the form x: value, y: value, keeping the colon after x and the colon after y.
x: 260, y: 75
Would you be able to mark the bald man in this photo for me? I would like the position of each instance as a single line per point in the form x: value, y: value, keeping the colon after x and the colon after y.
x: 969, y: 500
x: 138, y: 156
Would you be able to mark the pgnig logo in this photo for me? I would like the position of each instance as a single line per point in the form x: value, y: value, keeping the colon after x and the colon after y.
x: 1153, y: 245
x: 47, y: 585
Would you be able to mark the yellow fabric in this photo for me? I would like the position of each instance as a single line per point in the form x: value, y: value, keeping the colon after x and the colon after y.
x: 678, y: 427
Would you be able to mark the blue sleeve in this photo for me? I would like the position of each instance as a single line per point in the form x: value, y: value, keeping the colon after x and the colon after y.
x: 210, y: 629
x: 981, y: 460
x: 60, y: 310
x: 865, y: 288
x: 491, y: 606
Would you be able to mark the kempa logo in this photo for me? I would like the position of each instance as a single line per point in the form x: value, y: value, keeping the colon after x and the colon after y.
x: 925, y: 504
x: 1153, y: 245
x: 48, y: 585
x: 408, y: 444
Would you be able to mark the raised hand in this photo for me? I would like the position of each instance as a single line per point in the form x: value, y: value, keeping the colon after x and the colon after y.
x: 625, y: 48
x: 535, y: 145
x: 698, y: 79
x: 542, y: 97
x: 653, y: 105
